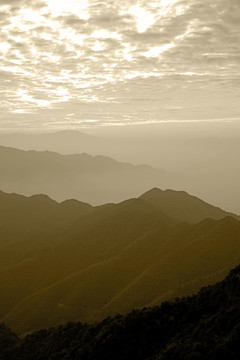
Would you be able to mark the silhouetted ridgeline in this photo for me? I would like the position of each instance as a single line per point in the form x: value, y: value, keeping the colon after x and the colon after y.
x: 74, y: 262
x: 205, y: 326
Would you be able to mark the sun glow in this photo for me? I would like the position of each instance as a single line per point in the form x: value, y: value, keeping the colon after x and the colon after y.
x: 143, y: 18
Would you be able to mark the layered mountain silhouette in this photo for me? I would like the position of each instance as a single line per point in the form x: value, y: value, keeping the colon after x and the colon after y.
x: 208, y: 161
x: 72, y: 261
x: 93, y: 179
x: 205, y: 326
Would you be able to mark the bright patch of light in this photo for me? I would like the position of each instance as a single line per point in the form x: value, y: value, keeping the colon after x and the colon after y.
x: 181, y: 37
x: 62, y: 94
x: 19, y: 55
x: 15, y: 61
x: 126, y: 52
x: 65, y: 73
x: 45, y: 36
x: 70, y: 48
x: 78, y: 54
x: 50, y: 57
x: 168, y: 2
x: 191, y: 27
x: 4, y: 47
x: 78, y: 85
x: 92, y: 98
x: 23, y: 96
x: 78, y: 7
x: 143, y: 18
x: 180, y: 10
x: 145, y: 75
x: 21, y: 111
x: 71, y: 36
x: 16, y: 70
x: 167, y: 6
x: 157, y: 50
x: 4, y: 8
x: 61, y: 91
x: 216, y: 55
x: 54, y: 79
x: 31, y: 15
x: 98, y: 46
x: 191, y: 73
x: 104, y: 34
x: 19, y: 22
x: 17, y: 38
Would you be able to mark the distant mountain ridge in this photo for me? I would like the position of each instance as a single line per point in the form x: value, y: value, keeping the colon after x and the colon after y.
x: 85, y: 263
x: 92, y: 179
x: 53, y: 141
x: 208, y: 163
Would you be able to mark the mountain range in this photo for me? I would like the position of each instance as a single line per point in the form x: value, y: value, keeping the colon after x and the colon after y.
x: 194, y: 159
x: 93, y: 179
x: 73, y: 261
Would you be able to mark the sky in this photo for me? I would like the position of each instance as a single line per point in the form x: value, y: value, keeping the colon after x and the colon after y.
x: 77, y: 64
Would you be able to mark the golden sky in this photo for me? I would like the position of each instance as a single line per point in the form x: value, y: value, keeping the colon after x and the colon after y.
x: 72, y: 64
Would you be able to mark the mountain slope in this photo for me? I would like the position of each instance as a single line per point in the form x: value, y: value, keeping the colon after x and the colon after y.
x: 138, y: 276
x: 181, y: 206
x: 70, y: 247
x: 204, y: 326
x: 20, y: 215
x: 112, y: 258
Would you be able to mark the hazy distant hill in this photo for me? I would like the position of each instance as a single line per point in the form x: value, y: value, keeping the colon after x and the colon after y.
x: 87, y: 263
x: 208, y: 160
x: 65, y: 142
x: 202, y: 327
x: 92, y: 179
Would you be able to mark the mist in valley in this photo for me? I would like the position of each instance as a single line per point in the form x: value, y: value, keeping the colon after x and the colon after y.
x: 201, y: 158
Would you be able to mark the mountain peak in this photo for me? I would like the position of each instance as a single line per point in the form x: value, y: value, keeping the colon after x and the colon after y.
x: 151, y: 192
x: 182, y: 206
x: 42, y: 198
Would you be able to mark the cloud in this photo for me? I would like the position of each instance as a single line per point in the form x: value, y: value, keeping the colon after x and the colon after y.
x: 23, y: 3
x: 104, y: 55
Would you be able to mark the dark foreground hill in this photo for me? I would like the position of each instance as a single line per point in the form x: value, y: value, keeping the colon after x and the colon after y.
x: 80, y: 263
x: 205, y: 326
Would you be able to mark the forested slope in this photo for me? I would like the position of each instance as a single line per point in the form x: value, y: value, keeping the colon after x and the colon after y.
x: 205, y: 326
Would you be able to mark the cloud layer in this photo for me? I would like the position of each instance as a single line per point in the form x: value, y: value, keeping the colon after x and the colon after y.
x: 83, y: 63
